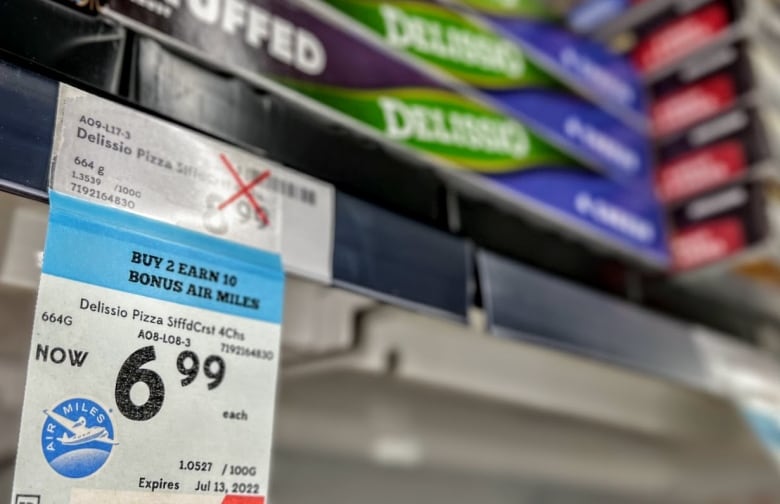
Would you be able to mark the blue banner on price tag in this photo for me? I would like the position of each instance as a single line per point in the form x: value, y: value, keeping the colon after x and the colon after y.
x: 111, y: 248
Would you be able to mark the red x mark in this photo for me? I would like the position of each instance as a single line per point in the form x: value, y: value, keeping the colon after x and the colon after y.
x: 244, y: 189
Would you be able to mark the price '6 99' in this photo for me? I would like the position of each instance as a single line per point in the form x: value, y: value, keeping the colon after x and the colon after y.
x: 132, y: 372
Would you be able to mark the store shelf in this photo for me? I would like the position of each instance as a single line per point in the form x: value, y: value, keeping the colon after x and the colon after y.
x: 523, y: 303
x: 27, y: 115
x: 370, y: 252
x: 166, y: 83
x: 383, y: 484
x: 399, y: 260
x: 176, y: 88
x: 430, y: 395
x: 393, y: 258
x: 168, y: 80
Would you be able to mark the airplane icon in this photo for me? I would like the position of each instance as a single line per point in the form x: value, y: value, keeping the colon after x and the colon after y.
x: 81, y: 433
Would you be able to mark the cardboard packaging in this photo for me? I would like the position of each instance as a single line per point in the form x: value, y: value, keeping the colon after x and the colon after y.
x: 719, y: 225
x: 724, y: 150
x: 701, y: 89
x: 578, y: 63
x: 720, y: 117
x: 522, y: 67
x: 660, y: 36
x: 293, y: 46
x: 305, y: 51
x: 723, y: 188
x: 680, y: 31
x: 727, y: 244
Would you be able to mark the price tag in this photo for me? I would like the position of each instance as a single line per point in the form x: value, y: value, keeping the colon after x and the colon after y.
x: 118, y: 156
x: 155, y: 347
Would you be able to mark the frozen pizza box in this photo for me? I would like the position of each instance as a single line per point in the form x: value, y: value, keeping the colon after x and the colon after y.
x: 745, y: 71
x: 720, y: 122
x: 349, y: 74
x: 728, y: 242
x: 736, y: 225
x: 725, y: 150
x: 682, y: 30
x: 678, y: 33
x: 527, y: 69
x: 582, y: 65
x: 701, y: 88
x: 628, y: 217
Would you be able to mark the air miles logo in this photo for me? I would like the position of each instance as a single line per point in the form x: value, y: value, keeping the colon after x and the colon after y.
x: 77, y: 437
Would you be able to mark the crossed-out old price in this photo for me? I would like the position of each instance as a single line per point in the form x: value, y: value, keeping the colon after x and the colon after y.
x: 132, y: 372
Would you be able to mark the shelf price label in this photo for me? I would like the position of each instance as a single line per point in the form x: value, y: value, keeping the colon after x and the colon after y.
x: 155, y: 347
x: 117, y: 156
